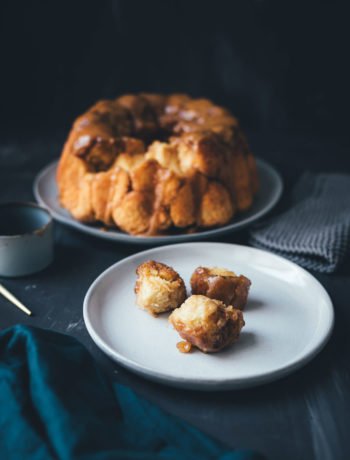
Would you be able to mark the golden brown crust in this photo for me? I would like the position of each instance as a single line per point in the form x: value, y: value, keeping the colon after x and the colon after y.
x: 158, y: 287
x: 134, y: 212
x: 200, y: 145
x: 208, y: 324
x: 216, y: 207
x: 221, y: 284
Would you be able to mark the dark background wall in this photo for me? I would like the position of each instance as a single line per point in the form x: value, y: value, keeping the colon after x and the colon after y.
x: 279, y: 65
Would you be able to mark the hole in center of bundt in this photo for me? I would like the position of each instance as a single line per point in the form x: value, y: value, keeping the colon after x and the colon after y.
x: 100, y: 154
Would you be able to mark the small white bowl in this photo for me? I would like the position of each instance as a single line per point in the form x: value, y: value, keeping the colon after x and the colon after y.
x: 26, y: 238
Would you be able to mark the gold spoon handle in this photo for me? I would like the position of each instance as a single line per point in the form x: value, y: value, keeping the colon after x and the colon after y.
x: 7, y: 294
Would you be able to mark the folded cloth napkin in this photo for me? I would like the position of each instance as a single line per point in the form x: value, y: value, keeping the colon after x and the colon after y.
x: 315, y: 231
x: 55, y: 404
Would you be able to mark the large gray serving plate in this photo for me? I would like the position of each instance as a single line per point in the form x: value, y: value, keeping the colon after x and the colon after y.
x: 271, y: 186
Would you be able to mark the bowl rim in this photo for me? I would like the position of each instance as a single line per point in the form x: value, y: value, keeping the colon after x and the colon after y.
x: 35, y: 206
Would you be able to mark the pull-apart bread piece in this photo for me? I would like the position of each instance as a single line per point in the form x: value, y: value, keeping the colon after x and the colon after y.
x: 153, y: 164
x: 207, y: 323
x: 158, y: 288
x: 221, y: 284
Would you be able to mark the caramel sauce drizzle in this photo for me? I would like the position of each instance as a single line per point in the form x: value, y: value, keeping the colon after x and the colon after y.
x: 184, y: 346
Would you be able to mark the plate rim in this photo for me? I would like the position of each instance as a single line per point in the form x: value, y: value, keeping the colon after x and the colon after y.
x: 149, y: 240
x: 211, y: 384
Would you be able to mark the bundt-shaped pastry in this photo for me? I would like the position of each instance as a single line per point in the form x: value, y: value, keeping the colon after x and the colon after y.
x: 151, y: 164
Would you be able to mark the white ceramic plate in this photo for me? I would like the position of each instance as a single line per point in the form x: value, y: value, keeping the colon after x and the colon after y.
x: 45, y: 191
x: 289, y: 318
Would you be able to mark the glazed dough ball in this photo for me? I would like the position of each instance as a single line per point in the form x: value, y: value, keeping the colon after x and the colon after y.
x: 221, y: 284
x: 134, y: 212
x: 207, y: 323
x: 216, y: 206
x: 158, y: 288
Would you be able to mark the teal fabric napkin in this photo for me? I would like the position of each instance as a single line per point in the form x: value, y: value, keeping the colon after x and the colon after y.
x: 55, y: 404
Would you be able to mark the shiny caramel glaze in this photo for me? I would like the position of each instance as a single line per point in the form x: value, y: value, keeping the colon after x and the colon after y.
x: 222, y: 285
x: 208, y: 324
x: 151, y: 164
x: 184, y: 347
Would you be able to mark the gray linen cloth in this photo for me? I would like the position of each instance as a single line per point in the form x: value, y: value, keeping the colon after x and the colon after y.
x: 315, y: 231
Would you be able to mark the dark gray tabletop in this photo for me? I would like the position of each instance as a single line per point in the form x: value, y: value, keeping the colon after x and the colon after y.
x: 303, y: 416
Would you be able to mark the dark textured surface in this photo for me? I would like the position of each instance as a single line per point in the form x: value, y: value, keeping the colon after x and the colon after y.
x: 281, y: 67
x: 304, y: 416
